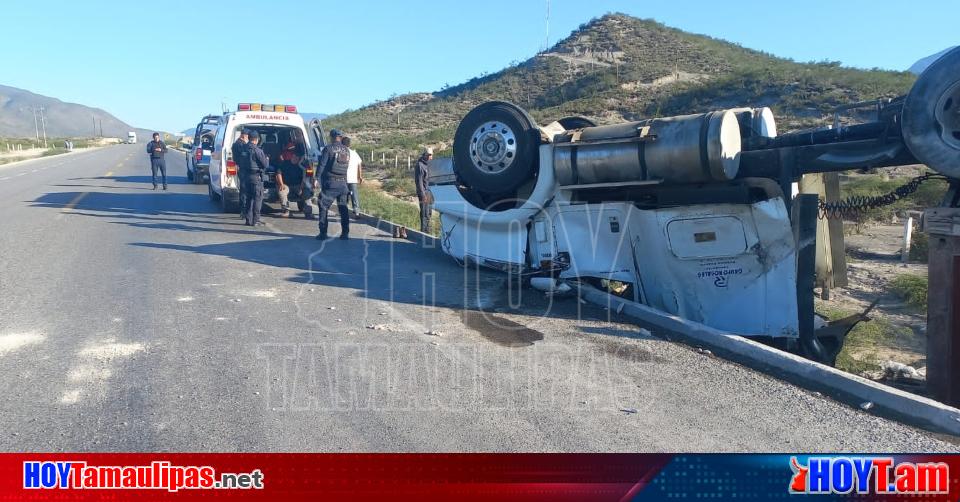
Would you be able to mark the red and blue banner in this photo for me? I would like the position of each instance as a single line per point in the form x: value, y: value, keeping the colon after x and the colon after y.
x: 503, y: 477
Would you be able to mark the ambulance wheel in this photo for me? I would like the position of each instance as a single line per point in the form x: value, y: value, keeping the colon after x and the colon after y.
x: 570, y: 123
x: 496, y: 148
x: 931, y: 115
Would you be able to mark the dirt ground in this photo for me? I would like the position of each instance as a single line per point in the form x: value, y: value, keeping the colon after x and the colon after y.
x: 873, y: 261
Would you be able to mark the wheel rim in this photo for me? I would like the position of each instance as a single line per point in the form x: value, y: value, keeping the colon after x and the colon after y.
x: 493, y: 147
x: 947, y: 116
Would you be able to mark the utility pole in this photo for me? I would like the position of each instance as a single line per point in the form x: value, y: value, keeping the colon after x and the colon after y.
x: 43, y: 124
x: 36, y: 127
x: 94, y: 127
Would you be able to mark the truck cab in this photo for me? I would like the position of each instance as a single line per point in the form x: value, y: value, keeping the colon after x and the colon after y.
x: 199, y: 154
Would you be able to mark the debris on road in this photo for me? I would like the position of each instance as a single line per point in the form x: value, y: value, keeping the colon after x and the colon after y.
x: 705, y: 352
x: 629, y: 411
x: 434, y: 333
x: 865, y: 406
x: 895, y: 370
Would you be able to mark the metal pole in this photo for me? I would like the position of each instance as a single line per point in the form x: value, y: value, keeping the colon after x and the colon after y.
x: 36, y: 127
x: 907, y: 235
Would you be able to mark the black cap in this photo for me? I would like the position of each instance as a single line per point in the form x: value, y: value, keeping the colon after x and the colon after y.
x: 254, y: 135
x: 245, y: 131
x: 335, y: 132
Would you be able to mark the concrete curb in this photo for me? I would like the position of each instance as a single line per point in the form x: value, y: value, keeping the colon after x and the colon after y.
x: 850, y: 389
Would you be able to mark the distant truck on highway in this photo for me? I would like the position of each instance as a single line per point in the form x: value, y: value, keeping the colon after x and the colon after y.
x: 131, y: 137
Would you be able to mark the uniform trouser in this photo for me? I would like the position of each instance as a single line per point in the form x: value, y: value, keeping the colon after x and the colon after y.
x: 426, y: 210
x: 355, y: 196
x: 158, y: 165
x: 284, y: 195
x: 334, y: 190
x: 254, y: 198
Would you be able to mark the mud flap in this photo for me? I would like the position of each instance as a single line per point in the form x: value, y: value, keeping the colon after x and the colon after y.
x: 833, y: 334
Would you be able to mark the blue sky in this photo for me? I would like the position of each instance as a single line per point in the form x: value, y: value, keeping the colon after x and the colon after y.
x: 163, y: 67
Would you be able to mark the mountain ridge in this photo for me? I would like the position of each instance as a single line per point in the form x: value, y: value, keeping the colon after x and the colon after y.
x: 62, y: 119
x: 616, y: 68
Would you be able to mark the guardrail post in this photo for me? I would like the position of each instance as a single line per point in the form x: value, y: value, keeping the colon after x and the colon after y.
x: 943, y: 304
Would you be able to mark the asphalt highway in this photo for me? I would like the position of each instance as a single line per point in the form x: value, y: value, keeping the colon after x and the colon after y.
x: 134, y: 320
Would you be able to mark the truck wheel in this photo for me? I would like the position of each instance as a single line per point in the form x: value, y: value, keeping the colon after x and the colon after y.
x: 931, y: 115
x: 189, y: 175
x: 496, y: 148
x: 198, y: 178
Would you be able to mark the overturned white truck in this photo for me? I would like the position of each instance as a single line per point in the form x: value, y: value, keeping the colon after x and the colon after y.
x: 690, y: 215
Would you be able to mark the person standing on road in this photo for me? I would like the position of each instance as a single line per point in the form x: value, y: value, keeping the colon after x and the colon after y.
x: 334, y: 163
x: 241, y: 157
x: 156, y: 149
x: 421, y: 177
x: 259, y: 163
x: 354, y: 176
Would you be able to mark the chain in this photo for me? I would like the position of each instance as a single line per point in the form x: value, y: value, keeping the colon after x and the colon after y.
x: 851, y: 207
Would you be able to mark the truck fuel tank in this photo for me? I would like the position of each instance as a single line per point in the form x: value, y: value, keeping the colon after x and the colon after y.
x: 684, y: 149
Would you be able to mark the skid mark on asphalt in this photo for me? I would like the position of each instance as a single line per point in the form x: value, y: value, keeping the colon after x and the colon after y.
x: 14, y: 341
x: 97, y: 363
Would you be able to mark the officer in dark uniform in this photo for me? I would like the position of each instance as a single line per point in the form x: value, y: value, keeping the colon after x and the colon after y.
x: 241, y: 157
x: 156, y: 149
x: 253, y: 181
x: 333, y: 185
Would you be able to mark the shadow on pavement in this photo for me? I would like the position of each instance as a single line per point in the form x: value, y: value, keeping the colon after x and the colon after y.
x: 147, y: 179
x: 390, y: 271
x: 137, y: 203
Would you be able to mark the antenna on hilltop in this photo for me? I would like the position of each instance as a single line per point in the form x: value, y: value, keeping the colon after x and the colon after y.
x: 546, y: 38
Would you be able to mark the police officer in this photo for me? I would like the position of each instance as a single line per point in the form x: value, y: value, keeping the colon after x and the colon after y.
x: 254, y: 180
x: 156, y: 149
x: 334, y: 163
x: 241, y: 156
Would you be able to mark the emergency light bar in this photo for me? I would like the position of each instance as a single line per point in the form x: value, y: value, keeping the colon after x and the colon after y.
x: 256, y: 107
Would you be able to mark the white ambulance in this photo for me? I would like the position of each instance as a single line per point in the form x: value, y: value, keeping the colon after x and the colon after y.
x: 276, y: 125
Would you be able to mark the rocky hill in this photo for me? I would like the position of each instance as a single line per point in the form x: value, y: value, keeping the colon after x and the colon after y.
x: 617, y: 68
x: 62, y: 119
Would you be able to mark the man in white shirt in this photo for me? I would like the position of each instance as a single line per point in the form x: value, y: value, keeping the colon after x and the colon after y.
x: 354, y: 177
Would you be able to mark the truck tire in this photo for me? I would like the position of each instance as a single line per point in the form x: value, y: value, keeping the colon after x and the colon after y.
x: 496, y: 148
x: 931, y: 115
x: 189, y: 175
x: 570, y: 123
